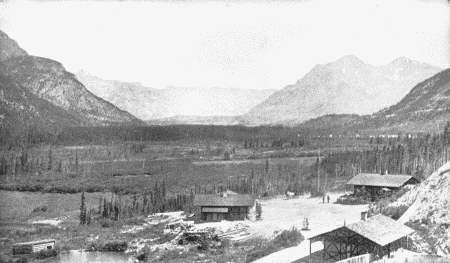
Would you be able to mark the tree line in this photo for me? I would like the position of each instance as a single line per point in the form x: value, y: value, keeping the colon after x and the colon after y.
x: 121, y: 206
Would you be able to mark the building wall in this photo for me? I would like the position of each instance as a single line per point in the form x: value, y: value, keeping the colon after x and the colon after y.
x: 32, y: 248
x: 44, y: 246
x: 234, y: 213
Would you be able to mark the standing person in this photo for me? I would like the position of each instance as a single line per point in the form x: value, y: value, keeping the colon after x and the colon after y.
x: 328, y: 198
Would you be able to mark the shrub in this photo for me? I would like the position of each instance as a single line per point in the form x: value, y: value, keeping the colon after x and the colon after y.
x: 105, y: 222
x: 395, y: 211
x: 115, y: 246
x: 41, y: 209
x: 43, y: 254
x: 288, y: 238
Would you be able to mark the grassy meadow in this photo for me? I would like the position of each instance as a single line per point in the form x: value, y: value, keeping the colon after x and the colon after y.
x: 135, y: 167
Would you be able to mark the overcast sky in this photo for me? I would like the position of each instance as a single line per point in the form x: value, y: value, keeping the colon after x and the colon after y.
x: 256, y: 45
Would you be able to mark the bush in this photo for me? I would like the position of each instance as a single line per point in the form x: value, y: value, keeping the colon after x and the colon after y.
x: 288, y: 238
x: 105, y: 222
x: 115, y: 246
x: 109, y: 246
x: 395, y: 212
x: 41, y: 209
x: 49, y: 253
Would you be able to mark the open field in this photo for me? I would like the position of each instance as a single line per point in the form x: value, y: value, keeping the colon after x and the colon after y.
x: 18, y: 206
x: 136, y: 167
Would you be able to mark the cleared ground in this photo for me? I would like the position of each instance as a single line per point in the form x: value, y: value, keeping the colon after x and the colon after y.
x: 279, y: 214
x: 283, y: 214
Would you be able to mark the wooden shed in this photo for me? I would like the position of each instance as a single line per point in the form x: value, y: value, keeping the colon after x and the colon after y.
x: 379, y: 236
x: 375, y: 183
x: 224, y: 206
x: 33, y: 246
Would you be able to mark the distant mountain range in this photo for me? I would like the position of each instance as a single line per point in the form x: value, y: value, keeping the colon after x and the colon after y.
x: 169, y: 104
x: 345, y: 86
x: 344, y: 95
x: 42, y: 91
x: 426, y: 108
x: 196, y: 120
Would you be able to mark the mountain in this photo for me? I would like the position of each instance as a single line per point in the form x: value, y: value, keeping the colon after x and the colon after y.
x: 18, y: 106
x: 41, y: 79
x: 195, y: 120
x: 140, y: 101
x: 151, y: 104
x: 425, y: 108
x: 345, y: 86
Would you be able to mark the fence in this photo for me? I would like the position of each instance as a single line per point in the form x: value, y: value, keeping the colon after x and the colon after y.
x: 358, y: 259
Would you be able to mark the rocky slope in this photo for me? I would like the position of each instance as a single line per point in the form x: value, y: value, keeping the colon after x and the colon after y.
x: 429, y: 209
x: 151, y: 104
x: 345, y: 86
x: 48, y: 80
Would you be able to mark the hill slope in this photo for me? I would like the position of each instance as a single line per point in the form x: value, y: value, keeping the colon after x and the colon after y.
x: 48, y: 80
x: 19, y: 107
x: 425, y: 108
x: 345, y: 86
x: 429, y: 208
x: 151, y: 104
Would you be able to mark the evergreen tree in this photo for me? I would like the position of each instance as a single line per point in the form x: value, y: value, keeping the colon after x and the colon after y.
x: 82, y: 210
x: 50, y: 160
x: 258, y: 211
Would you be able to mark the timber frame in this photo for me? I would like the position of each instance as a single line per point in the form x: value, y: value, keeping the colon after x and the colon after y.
x: 344, y: 243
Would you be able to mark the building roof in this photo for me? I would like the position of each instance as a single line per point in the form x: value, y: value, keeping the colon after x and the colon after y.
x: 229, y: 200
x: 228, y: 192
x: 37, y: 242
x: 380, y: 229
x: 387, y: 180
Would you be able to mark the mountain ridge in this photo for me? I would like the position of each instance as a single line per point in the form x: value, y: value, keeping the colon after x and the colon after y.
x: 48, y: 80
x: 151, y: 104
x: 328, y: 89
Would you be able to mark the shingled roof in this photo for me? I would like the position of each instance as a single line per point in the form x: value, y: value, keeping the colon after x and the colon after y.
x: 380, y: 229
x: 229, y: 200
x: 387, y: 180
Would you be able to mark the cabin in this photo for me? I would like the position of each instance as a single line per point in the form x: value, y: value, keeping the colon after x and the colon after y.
x: 227, y: 205
x: 379, y: 183
x: 33, y: 246
x: 376, y: 237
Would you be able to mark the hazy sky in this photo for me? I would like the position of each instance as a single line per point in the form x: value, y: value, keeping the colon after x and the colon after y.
x: 256, y: 45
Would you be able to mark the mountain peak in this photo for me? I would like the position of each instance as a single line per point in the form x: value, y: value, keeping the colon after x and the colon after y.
x: 349, y: 59
x: 84, y: 73
x: 9, y: 47
x: 402, y: 60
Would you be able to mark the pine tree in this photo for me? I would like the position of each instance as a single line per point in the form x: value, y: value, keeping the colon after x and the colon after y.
x: 88, y: 218
x: 258, y: 211
x: 82, y: 210
x: 50, y: 160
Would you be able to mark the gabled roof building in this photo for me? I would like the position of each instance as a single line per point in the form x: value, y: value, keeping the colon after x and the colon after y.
x: 224, y: 206
x: 373, y: 183
x: 379, y: 236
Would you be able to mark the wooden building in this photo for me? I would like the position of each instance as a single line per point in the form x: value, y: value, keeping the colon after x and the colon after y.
x: 379, y: 236
x: 224, y: 206
x: 378, y: 183
x: 33, y: 246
